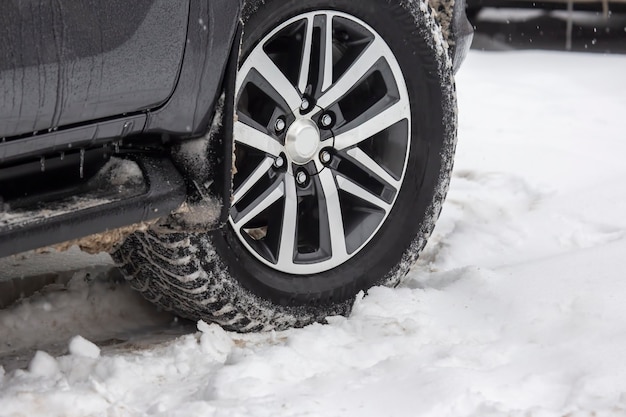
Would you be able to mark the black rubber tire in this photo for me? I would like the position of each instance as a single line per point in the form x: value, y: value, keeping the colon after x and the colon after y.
x: 211, y: 276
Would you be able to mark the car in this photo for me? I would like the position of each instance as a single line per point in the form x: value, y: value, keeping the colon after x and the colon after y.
x: 254, y: 164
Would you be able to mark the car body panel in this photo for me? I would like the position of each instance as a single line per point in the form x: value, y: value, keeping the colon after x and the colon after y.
x: 184, y: 112
x: 65, y: 63
x: 212, y: 29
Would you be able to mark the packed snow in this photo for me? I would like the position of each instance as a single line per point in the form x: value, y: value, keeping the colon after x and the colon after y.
x: 514, y: 309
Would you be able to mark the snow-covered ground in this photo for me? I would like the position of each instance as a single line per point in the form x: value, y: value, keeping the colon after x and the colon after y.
x: 516, y: 308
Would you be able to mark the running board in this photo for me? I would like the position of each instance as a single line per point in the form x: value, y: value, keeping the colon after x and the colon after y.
x: 95, y: 210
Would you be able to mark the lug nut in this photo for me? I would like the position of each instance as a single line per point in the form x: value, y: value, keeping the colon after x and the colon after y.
x: 279, y: 125
x: 279, y: 162
x: 304, y: 106
x: 325, y: 157
x: 326, y: 120
x: 301, y: 177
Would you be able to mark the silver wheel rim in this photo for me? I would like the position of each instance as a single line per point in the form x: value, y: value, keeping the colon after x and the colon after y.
x: 322, y: 141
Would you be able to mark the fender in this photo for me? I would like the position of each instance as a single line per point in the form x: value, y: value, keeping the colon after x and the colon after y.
x: 211, y: 32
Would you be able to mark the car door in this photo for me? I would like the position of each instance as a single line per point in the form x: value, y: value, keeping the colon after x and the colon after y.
x: 69, y: 62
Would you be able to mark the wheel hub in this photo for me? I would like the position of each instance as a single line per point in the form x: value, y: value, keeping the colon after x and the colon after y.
x: 302, y: 141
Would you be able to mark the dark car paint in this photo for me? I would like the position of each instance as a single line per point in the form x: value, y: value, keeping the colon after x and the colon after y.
x: 72, y: 62
x: 212, y: 28
x: 209, y: 35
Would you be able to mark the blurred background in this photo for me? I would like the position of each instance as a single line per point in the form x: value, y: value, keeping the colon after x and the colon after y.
x: 594, y: 27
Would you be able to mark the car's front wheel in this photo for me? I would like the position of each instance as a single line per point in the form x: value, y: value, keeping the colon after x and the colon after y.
x: 344, y: 138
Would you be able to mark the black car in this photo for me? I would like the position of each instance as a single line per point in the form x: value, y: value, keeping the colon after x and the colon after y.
x: 251, y: 163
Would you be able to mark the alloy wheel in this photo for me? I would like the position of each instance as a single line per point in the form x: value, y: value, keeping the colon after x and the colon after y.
x: 322, y: 140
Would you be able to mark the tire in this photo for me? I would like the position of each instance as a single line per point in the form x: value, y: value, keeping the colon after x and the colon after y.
x: 315, y: 221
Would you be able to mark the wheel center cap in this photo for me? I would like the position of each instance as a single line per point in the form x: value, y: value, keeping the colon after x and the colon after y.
x: 302, y: 141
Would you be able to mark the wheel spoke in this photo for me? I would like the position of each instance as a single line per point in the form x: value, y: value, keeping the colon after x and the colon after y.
x: 374, y: 125
x: 306, y: 56
x: 256, y: 139
x: 261, y: 203
x: 335, y: 219
x: 290, y: 224
x: 359, y: 68
x: 358, y: 191
x: 328, y: 54
x: 272, y: 74
x: 372, y: 167
x: 256, y: 175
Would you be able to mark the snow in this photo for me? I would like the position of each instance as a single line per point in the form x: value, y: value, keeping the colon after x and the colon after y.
x: 515, y: 308
x: 90, y: 305
x: 79, y: 346
x: 43, y: 365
